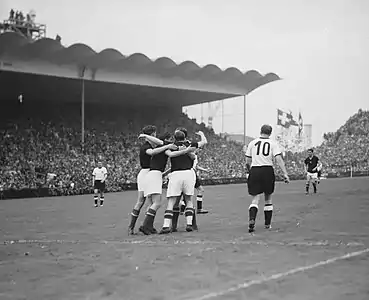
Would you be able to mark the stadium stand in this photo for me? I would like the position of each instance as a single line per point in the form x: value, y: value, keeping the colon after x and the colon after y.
x: 343, y: 153
x: 40, y: 147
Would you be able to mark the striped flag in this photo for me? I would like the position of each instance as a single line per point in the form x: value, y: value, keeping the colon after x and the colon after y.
x: 301, y: 124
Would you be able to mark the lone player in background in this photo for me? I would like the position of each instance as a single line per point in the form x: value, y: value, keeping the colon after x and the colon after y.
x: 98, y: 181
x: 261, y: 180
x: 312, y: 166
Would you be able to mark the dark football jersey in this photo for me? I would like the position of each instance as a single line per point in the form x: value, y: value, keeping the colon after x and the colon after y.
x: 312, y: 163
x: 182, y: 162
x: 145, y: 158
x: 159, y: 161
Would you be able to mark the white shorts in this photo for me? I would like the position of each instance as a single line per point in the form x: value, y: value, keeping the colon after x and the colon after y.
x: 311, y: 176
x: 181, y: 182
x: 141, y: 179
x: 153, y: 183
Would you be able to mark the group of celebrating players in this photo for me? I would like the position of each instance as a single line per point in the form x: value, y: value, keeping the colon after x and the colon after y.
x: 183, y: 178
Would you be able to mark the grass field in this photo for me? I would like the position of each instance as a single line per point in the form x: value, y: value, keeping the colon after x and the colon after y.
x: 63, y: 248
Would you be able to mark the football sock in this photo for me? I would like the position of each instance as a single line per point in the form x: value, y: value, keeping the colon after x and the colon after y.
x: 175, y: 217
x: 253, y: 211
x: 102, y: 200
x: 96, y: 199
x: 183, y: 207
x: 268, y: 213
x: 168, y: 217
x: 189, y: 212
x: 149, y: 219
x: 314, y: 186
x: 199, y: 199
x: 194, y: 220
x: 307, y: 187
x: 134, y: 216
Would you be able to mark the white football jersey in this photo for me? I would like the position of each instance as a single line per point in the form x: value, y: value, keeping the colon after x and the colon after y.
x: 262, y: 151
x: 99, y: 173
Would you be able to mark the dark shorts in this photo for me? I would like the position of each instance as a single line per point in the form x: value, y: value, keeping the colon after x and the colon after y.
x: 198, y: 182
x: 261, y: 180
x: 99, y: 185
x: 320, y: 173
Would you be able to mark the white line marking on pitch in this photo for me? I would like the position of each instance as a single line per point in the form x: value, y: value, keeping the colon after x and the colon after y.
x: 262, y: 280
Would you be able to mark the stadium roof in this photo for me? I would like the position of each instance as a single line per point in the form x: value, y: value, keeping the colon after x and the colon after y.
x: 113, y: 76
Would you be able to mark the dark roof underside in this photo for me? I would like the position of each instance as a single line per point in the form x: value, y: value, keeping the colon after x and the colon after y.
x: 46, y: 69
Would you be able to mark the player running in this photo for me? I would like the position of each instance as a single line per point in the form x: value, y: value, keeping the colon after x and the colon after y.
x: 312, y: 166
x: 261, y: 180
x: 182, y: 181
x: 146, y: 151
x: 99, y: 175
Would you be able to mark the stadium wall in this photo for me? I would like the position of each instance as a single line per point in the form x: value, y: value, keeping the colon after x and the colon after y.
x: 46, y: 192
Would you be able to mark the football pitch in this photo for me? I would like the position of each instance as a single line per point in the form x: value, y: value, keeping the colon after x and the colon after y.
x: 64, y: 248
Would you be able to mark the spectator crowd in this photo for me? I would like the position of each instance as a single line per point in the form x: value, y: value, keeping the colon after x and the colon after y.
x: 41, y: 146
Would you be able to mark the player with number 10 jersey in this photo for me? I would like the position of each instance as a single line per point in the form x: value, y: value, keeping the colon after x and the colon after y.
x: 260, y: 156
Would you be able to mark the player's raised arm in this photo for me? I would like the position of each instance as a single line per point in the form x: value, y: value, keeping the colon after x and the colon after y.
x: 203, y: 140
x: 161, y: 149
x: 151, y: 139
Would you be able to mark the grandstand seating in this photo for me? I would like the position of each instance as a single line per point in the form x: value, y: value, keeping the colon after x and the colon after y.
x: 45, y: 138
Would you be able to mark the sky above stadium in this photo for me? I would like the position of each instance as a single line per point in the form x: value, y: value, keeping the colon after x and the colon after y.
x: 319, y: 47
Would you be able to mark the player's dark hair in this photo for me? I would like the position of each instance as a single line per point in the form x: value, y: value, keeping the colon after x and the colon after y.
x: 149, y: 129
x: 311, y: 150
x: 266, y: 129
x: 184, y: 130
x: 179, y: 136
x: 165, y: 136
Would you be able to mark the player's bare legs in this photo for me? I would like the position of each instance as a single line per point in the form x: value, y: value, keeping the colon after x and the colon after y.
x: 96, y: 197
x: 148, y: 223
x: 268, y: 211
x: 189, y: 212
x: 168, y: 216
x: 253, y: 211
x: 136, y: 211
x: 315, y: 185
x: 200, y: 198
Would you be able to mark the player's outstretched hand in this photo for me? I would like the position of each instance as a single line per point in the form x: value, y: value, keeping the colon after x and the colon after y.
x: 286, y: 179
